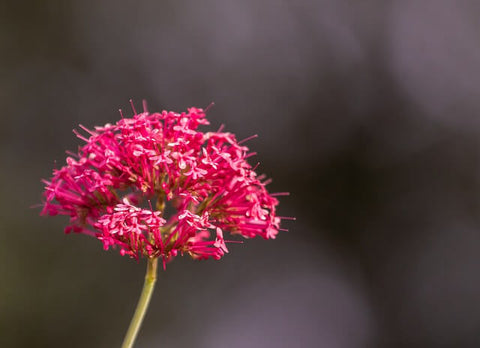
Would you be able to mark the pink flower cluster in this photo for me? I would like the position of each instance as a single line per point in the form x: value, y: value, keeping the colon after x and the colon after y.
x: 154, y: 186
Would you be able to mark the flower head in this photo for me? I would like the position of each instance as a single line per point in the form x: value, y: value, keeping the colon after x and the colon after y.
x: 154, y: 186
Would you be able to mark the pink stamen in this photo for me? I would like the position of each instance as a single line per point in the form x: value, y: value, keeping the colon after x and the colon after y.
x: 133, y: 107
x: 247, y: 139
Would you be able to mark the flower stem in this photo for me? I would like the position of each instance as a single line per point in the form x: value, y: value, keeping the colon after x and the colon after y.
x: 150, y: 278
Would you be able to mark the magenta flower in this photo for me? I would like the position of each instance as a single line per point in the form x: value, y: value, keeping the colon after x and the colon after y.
x: 154, y: 186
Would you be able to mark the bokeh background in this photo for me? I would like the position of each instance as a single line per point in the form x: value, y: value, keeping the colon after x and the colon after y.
x: 368, y: 112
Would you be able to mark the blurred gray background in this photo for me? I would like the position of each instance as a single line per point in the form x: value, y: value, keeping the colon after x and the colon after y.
x: 368, y: 112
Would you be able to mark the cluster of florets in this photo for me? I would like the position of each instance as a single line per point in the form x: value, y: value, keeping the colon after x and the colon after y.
x: 154, y: 186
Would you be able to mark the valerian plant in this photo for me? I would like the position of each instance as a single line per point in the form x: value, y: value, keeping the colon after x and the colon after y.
x: 153, y: 186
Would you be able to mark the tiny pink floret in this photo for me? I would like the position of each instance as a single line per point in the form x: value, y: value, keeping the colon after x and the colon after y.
x: 154, y: 186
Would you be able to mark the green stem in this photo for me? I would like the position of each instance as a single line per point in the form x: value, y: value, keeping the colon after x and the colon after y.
x: 150, y: 278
